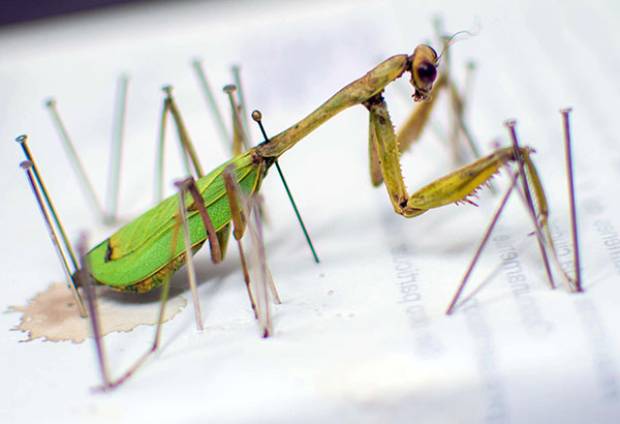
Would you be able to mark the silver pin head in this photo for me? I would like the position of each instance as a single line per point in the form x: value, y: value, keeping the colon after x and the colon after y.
x: 22, y: 139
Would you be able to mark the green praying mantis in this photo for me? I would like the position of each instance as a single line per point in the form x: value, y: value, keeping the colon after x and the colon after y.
x: 145, y: 253
x: 137, y: 257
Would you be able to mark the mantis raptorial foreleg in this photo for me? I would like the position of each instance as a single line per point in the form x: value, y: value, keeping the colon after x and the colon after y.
x: 414, y: 125
x: 454, y: 187
x: 384, y: 145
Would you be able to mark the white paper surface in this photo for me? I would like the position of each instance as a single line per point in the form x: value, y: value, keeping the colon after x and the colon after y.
x: 362, y: 336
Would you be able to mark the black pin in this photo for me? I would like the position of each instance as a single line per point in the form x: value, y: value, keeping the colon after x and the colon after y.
x: 257, y: 116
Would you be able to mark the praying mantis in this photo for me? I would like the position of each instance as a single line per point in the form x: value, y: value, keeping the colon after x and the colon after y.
x: 145, y: 253
x: 137, y: 257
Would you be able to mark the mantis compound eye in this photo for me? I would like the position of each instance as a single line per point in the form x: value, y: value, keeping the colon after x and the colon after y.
x: 423, y: 71
x: 427, y: 72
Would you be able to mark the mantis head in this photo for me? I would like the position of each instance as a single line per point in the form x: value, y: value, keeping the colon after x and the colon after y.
x: 424, y: 63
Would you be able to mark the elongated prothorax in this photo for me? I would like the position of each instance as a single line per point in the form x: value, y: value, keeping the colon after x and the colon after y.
x: 353, y: 94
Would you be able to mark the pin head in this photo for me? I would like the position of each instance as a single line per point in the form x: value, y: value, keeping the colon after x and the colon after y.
x: 25, y: 164
x: 510, y: 123
x: 51, y: 102
x: 182, y: 184
x: 22, y: 139
x: 256, y: 115
x: 167, y: 89
x: 230, y: 88
x: 424, y: 62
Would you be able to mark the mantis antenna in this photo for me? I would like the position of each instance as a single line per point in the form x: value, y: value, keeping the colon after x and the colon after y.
x: 457, y: 37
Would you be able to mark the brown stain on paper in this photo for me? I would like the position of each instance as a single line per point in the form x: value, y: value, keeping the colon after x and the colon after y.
x: 52, y: 315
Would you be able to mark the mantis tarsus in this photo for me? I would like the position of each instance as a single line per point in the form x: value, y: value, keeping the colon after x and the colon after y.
x: 145, y: 253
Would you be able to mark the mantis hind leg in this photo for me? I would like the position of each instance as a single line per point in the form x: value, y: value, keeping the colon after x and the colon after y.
x: 219, y: 239
x: 408, y: 133
x: 88, y: 284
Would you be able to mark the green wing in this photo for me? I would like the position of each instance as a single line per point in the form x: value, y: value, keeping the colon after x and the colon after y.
x: 136, y: 253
